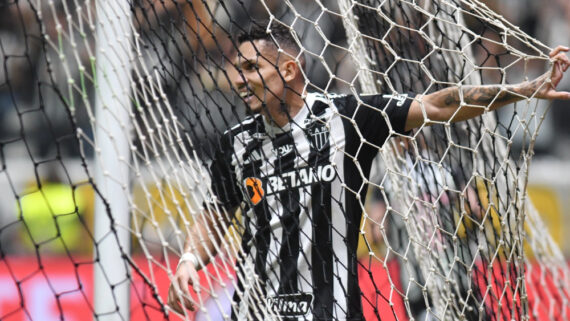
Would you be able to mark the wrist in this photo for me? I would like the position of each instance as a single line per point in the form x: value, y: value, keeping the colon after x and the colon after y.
x: 188, y: 258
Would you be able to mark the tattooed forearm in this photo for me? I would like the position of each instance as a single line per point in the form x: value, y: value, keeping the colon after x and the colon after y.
x: 465, y: 102
x: 450, y: 95
x: 478, y: 95
x: 459, y: 103
x: 486, y: 95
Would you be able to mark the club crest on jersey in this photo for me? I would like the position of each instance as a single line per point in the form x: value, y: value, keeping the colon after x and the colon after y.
x: 254, y: 188
x: 319, y: 137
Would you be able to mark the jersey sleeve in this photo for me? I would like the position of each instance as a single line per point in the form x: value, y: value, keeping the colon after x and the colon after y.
x: 223, y: 175
x: 377, y: 117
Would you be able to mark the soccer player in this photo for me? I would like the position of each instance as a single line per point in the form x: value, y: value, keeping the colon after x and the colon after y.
x: 297, y: 168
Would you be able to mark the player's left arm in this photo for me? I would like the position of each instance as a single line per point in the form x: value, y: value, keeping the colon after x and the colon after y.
x: 444, y: 105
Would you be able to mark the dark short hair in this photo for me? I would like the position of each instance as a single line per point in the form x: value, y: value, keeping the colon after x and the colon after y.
x: 278, y: 35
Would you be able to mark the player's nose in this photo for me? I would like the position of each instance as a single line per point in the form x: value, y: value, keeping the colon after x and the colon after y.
x: 239, y: 80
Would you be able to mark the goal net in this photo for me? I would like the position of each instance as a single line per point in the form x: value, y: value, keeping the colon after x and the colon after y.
x: 112, y: 113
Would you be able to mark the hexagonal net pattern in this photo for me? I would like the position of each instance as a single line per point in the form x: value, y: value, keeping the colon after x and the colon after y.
x: 312, y: 160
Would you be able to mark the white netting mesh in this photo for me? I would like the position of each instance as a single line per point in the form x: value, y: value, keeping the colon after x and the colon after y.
x: 447, y: 232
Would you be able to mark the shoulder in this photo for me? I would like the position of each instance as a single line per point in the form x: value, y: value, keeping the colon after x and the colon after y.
x: 240, y: 137
x: 325, y: 97
x: 249, y: 125
x: 319, y: 102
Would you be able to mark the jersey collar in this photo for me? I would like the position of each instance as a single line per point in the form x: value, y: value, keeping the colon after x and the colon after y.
x: 273, y: 130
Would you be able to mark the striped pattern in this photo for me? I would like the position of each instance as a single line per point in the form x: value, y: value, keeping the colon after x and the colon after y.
x: 301, y: 225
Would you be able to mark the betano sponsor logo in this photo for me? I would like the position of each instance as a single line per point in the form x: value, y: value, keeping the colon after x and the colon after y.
x: 300, y: 177
x: 258, y: 188
x: 254, y: 188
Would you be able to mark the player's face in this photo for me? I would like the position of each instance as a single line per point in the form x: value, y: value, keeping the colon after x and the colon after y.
x: 258, y: 81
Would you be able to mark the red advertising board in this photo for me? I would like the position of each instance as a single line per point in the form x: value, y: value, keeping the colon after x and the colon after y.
x: 56, y: 288
x: 61, y: 288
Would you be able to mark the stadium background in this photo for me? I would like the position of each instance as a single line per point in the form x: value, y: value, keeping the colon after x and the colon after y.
x: 549, y: 179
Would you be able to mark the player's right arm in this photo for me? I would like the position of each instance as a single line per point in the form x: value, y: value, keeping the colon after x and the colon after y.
x: 201, y: 244
x: 209, y: 229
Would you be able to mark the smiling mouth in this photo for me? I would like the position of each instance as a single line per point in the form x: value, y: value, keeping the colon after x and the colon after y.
x: 246, y: 95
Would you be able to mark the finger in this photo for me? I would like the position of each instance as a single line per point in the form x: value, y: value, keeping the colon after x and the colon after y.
x: 558, y: 70
x: 189, y: 303
x: 561, y: 58
x: 173, y: 301
x: 194, y: 280
x: 562, y: 95
x: 555, y: 78
x: 557, y: 50
x: 176, y: 307
x: 185, y: 293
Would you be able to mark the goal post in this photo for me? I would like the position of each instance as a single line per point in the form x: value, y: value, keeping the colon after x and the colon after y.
x: 112, y: 240
x: 133, y: 115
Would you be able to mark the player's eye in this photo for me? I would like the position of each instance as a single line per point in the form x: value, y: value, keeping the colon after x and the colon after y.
x: 249, y: 66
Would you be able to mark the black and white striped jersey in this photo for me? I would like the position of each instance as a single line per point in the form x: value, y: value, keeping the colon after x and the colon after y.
x: 303, y: 187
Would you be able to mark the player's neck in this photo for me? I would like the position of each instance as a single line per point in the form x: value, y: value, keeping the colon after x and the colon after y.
x: 285, y: 113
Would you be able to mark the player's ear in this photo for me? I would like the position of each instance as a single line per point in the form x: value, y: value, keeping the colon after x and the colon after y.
x: 289, y: 70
